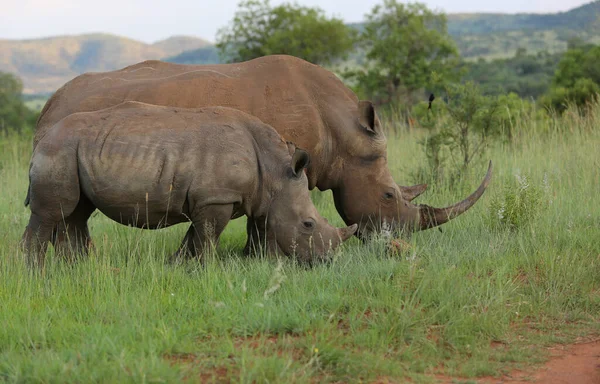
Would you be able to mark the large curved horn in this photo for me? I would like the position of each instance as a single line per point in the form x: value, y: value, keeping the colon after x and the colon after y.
x: 432, y: 217
x: 412, y: 192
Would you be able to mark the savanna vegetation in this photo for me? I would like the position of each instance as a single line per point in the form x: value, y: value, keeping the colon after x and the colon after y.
x: 518, y: 272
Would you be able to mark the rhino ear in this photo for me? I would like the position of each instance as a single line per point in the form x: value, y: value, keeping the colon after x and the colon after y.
x: 300, y: 161
x: 366, y: 115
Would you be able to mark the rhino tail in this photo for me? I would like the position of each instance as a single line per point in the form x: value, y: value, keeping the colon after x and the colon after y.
x: 27, y: 198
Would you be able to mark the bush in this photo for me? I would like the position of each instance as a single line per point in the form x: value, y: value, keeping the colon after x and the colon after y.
x: 465, y: 122
x: 517, y: 116
x: 14, y: 115
x: 576, y: 80
x: 582, y: 93
x: 462, y: 129
x: 518, y: 203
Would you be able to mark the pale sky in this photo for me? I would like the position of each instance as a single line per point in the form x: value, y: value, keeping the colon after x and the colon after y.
x: 152, y: 20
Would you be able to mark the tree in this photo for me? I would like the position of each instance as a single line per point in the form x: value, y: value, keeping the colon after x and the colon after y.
x: 405, y: 45
x: 258, y: 29
x: 13, y: 112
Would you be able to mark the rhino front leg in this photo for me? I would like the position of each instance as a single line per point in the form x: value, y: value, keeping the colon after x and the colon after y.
x: 38, y: 234
x: 256, y: 232
x: 71, y: 236
x: 207, y: 225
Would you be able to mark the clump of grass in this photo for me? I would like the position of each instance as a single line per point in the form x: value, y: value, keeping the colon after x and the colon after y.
x: 518, y: 203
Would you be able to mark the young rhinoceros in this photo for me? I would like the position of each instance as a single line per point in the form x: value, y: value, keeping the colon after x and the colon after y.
x: 152, y: 167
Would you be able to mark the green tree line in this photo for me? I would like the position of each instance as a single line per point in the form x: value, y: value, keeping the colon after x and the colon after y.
x: 402, y: 46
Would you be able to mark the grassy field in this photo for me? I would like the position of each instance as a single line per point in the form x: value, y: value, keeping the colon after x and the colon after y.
x: 470, y: 301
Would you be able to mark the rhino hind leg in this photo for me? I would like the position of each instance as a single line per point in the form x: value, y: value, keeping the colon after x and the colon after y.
x: 54, y: 194
x: 207, y: 225
x: 71, y: 237
x: 38, y: 234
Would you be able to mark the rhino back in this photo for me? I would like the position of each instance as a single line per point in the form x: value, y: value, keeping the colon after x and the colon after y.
x: 136, y: 158
x: 290, y: 94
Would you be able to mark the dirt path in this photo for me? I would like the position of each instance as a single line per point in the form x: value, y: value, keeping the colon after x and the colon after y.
x: 569, y: 364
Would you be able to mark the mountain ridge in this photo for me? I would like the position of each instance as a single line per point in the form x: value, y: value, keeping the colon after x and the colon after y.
x: 44, y: 64
x: 577, y: 18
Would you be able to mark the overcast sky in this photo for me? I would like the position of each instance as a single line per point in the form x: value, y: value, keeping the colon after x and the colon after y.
x: 151, y: 20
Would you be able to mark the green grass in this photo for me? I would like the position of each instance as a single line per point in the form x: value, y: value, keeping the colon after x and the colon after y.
x: 467, y: 302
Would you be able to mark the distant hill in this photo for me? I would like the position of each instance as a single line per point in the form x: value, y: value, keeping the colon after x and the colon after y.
x: 46, y: 64
x: 204, y: 55
x: 177, y: 44
x: 501, y: 35
x: 580, y: 18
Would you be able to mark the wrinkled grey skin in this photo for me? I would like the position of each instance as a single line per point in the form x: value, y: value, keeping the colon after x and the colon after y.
x: 153, y: 167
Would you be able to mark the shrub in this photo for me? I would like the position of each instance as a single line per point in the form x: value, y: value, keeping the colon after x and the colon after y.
x: 462, y: 130
x: 583, y: 92
x: 518, y: 203
x: 14, y: 115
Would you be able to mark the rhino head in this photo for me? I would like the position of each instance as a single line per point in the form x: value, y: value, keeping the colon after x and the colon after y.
x: 366, y: 192
x: 294, y: 226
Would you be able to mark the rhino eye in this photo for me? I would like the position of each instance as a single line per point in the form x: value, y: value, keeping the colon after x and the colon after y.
x: 388, y: 195
x: 308, y: 224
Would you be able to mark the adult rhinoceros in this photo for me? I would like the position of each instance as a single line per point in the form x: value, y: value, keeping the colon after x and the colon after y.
x: 305, y: 103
